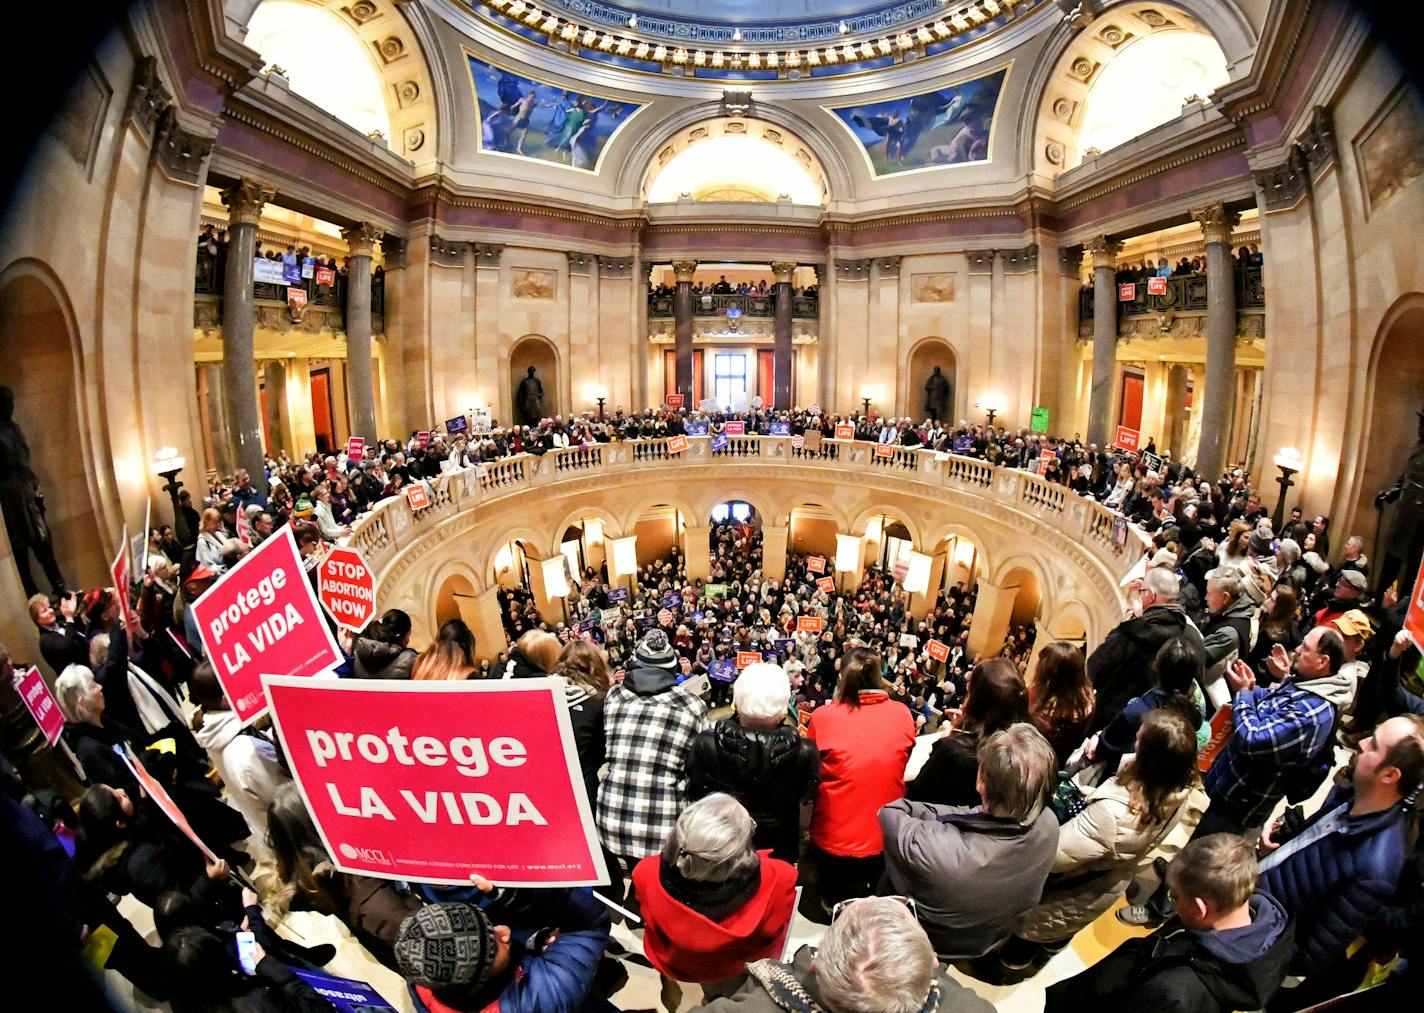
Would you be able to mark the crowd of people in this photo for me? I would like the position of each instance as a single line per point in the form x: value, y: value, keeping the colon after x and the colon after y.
x: 724, y: 287
x: 1041, y: 797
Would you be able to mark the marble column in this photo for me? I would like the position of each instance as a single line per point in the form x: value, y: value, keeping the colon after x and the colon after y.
x: 274, y: 382
x: 244, y: 201
x: 1217, y: 399
x: 217, y: 418
x: 697, y: 551
x: 682, y: 311
x: 992, y: 611
x: 773, y: 551
x: 1100, y: 402
x: 481, y: 614
x: 361, y: 240
x: 781, y: 331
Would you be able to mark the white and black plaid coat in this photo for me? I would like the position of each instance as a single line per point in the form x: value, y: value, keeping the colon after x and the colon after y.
x: 649, y: 734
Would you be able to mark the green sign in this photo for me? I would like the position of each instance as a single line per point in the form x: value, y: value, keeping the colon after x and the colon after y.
x: 1038, y: 419
x: 714, y: 590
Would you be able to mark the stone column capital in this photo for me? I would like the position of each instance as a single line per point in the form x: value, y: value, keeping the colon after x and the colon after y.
x: 393, y: 250
x: 1103, y: 251
x: 783, y: 270
x: 683, y: 270
x: 580, y: 262
x: 488, y: 254
x: 361, y: 238
x: 852, y: 269
x: 1216, y: 222
x: 244, y: 201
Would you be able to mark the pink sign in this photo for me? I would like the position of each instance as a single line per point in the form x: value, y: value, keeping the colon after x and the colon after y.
x: 884, y: 450
x: 938, y: 650
x: 431, y: 781
x: 1126, y: 438
x: 745, y: 659
x: 826, y: 584
x: 356, y: 448
x: 735, y: 427
x: 677, y: 444
x: 119, y: 571
x: 244, y: 526
x: 1414, y: 616
x: 675, y: 400
x: 262, y: 618
x: 816, y: 564
x: 325, y: 276
x: 155, y: 790
x: 422, y: 438
x: 418, y: 497
x: 39, y: 701
x: 1156, y: 286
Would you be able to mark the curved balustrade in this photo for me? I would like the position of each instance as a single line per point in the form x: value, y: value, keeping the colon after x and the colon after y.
x: 393, y: 525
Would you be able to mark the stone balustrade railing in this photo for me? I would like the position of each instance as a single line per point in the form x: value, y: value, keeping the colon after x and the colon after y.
x: 394, y: 525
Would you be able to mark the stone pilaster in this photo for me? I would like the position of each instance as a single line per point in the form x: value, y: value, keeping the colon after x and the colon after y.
x: 244, y: 201
x: 683, y: 270
x: 1104, y: 253
x: 781, y: 331
x: 361, y: 240
x: 1218, y: 400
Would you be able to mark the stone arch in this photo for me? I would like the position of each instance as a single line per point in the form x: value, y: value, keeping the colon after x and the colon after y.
x: 924, y: 355
x: 528, y: 537
x: 401, y: 55
x: 858, y: 525
x: 1054, y: 99
x: 758, y: 501
x: 611, y: 526
x: 1070, y: 620
x: 44, y: 368
x: 983, y: 561
x: 810, y: 536
x: 1032, y: 585
x: 541, y: 353
x: 641, y: 158
x: 1394, y: 391
x: 648, y: 500
x: 454, y: 578
x: 741, y: 127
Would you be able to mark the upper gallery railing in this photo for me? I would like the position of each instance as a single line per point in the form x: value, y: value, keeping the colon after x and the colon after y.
x: 394, y: 525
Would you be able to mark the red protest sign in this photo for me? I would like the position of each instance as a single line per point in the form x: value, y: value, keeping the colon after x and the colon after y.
x: 244, y: 527
x: 262, y: 618
x: 1156, y: 286
x: 1414, y: 618
x: 347, y: 589
x: 1044, y: 457
x: 39, y: 701
x: 417, y: 496
x: 325, y: 276
x: 677, y: 444
x: 826, y: 584
x: 119, y: 571
x: 798, y: 441
x: 735, y: 427
x: 810, y: 624
x: 675, y: 400
x: 1126, y: 438
x: 938, y: 650
x: 665, y: 617
x: 356, y: 448
x: 1127, y: 291
x: 884, y: 450
x: 296, y: 297
x: 422, y: 438
x: 745, y: 658
x: 816, y: 564
x: 431, y: 781
x: 845, y: 431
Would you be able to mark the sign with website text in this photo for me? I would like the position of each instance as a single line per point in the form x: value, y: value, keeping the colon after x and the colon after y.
x: 826, y: 584
x: 1414, y: 618
x: 347, y: 588
x: 781, y: 429
x: 1126, y: 438
x: 816, y: 564
x: 356, y: 448
x: 675, y: 400
x: 40, y: 702
x: 677, y: 444
x: 417, y: 495
x: 1156, y: 286
x: 1127, y: 291
x: 845, y: 431
x: 431, y: 781
x: 745, y: 658
x: 268, y: 272
x: 722, y: 670
x: 1038, y: 419
x: 719, y: 441
x: 262, y: 617
x: 344, y: 994
x: 938, y: 650
x: 325, y: 276
x: 735, y: 427
x: 809, y: 624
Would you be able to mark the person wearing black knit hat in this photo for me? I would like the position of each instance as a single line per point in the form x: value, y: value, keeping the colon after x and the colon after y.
x: 649, y: 721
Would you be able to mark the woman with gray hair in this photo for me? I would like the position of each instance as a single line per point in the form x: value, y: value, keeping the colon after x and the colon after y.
x: 760, y: 760
x: 87, y: 732
x: 711, y: 903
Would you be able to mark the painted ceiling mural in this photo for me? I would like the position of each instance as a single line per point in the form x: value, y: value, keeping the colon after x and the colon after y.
x: 528, y: 118
x: 948, y: 126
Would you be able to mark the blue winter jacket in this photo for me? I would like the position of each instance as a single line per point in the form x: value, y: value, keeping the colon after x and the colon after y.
x: 1335, y: 886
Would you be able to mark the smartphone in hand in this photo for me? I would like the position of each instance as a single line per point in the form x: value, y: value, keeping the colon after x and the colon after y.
x: 247, y: 952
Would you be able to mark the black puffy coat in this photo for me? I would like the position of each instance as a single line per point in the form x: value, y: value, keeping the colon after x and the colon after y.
x: 769, y: 772
x: 376, y: 659
x: 1121, y: 667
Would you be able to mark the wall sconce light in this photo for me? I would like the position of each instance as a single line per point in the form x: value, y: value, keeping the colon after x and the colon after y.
x: 1289, y: 460
x: 168, y: 463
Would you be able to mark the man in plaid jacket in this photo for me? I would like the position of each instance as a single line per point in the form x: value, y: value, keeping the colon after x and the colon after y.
x: 650, y: 722
x: 1277, y: 735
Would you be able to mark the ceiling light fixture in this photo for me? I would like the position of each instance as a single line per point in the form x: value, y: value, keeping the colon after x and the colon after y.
x: 843, y: 28
x: 736, y: 35
x: 632, y: 21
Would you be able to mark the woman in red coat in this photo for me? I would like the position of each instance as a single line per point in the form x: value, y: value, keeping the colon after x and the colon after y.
x: 711, y: 903
x: 865, y: 739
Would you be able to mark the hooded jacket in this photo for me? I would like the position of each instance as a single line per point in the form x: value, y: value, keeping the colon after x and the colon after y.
x: 864, y: 751
x: 685, y: 944
x: 376, y: 659
x: 1121, y: 667
x: 248, y: 765
x: 520, y: 666
x: 769, y: 772
x: 1182, y: 970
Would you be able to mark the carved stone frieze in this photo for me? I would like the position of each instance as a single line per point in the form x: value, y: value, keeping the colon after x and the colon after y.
x: 1284, y: 186
x: 1070, y: 260
x: 1318, y: 142
x: 393, y: 250
x: 1216, y: 222
x: 887, y: 267
x: 180, y: 154
x: 148, y: 97
x: 981, y: 261
x: 1103, y: 250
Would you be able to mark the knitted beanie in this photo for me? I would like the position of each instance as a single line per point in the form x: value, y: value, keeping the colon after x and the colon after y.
x: 446, y: 946
x: 654, y: 651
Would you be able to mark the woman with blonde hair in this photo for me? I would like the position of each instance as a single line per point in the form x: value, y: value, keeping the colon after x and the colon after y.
x: 533, y: 656
x: 442, y: 661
